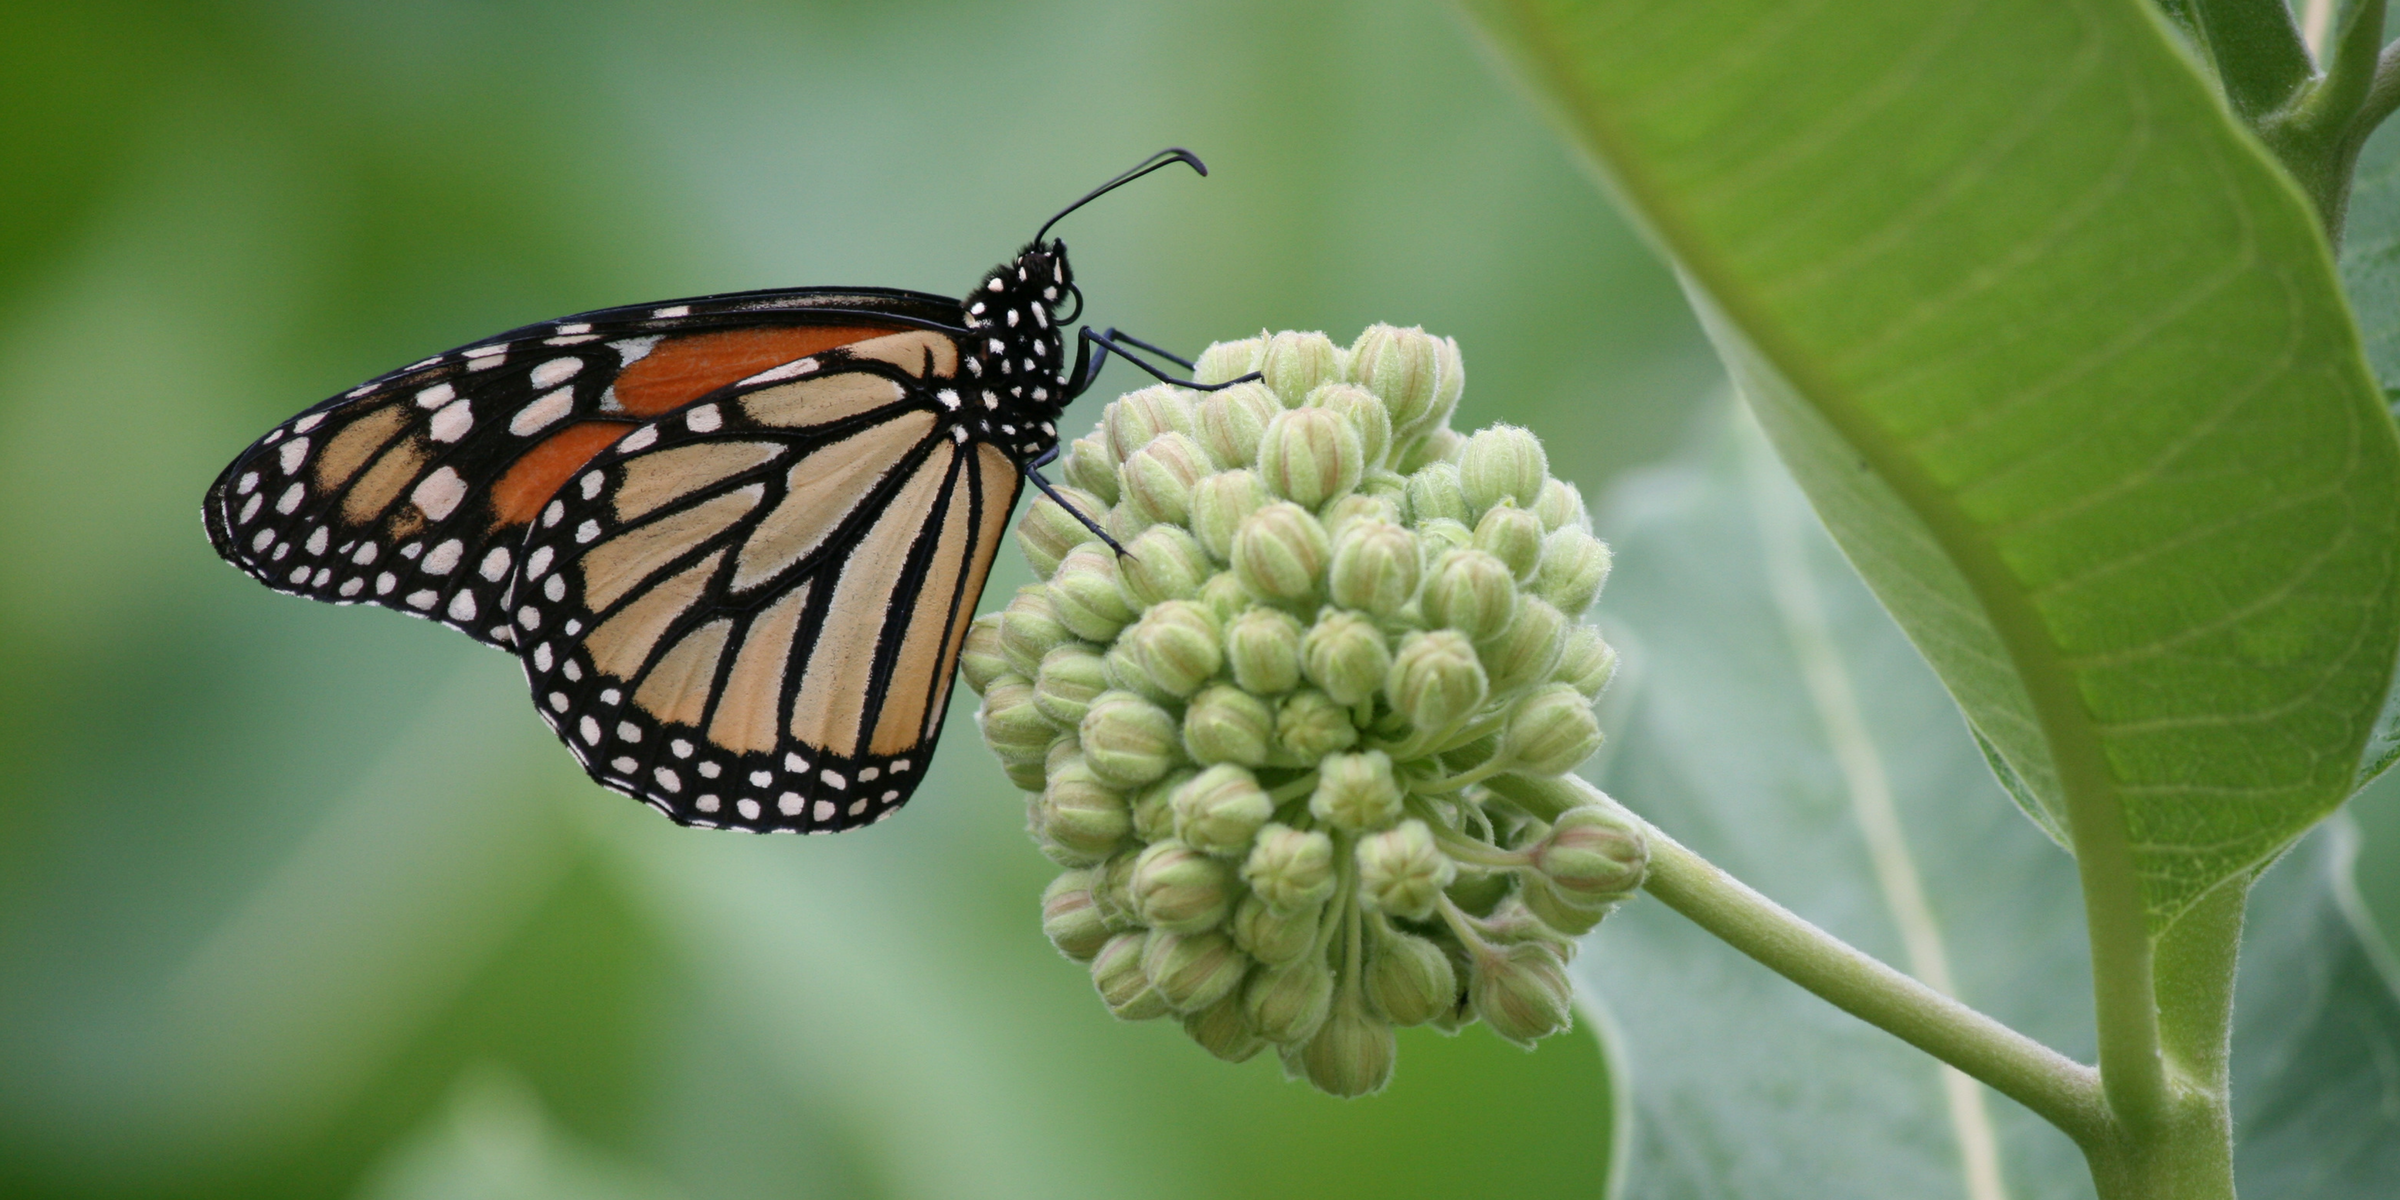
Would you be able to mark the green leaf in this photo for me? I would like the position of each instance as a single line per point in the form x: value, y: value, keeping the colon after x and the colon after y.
x: 1876, y: 819
x: 2060, y: 358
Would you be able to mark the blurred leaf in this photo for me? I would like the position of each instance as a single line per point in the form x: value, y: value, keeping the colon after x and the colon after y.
x: 492, y: 1141
x: 2060, y: 357
x: 1786, y: 730
x: 2371, y: 252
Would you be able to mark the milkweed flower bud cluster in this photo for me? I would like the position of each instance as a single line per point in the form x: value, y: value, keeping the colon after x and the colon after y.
x: 1272, y: 744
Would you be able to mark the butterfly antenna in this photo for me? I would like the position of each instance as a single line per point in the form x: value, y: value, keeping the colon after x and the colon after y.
x: 1164, y: 158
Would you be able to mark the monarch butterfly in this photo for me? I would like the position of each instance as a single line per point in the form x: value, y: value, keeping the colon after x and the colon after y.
x: 734, y: 540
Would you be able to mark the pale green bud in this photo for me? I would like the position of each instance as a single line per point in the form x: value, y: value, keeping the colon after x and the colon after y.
x: 1477, y: 890
x: 1352, y: 1052
x: 1280, y: 552
x: 1125, y: 522
x: 1180, y: 889
x: 1376, y: 568
x: 1085, y: 596
x: 1220, y: 503
x: 1047, y: 531
x: 1568, y: 915
x: 1418, y: 376
x: 1223, y: 1031
x: 980, y: 659
x: 1127, y: 673
x: 1355, y: 507
x: 1220, y: 810
x: 1224, y: 362
x: 1029, y: 629
x: 1356, y: 793
x: 1521, y: 991
x: 1082, y: 820
x: 1586, y: 661
x: 1027, y: 773
x: 1288, y: 1003
x: 1273, y: 936
x: 1070, y: 920
x: 1070, y: 677
x: 1011, y: 725
x: 1503, y: 462
x: 1153, y: 806
x: 1117, y: 972
x: 1131, y: 420
x: 1290, y: 870
x: 1112, y: 892
x: 1514, y: 536
x: 1165, y: 563
x: 1528, y: 650
x: 1158, y: 478
x: 1436, y: 680
x: 1178, y: 645
x: 1440, y: 535
x: 1310, y: 456
x: 1262, y: 645
x: 1433, y: 492
x: 1593, y: 856
x: 1225, y: 596
x: 1363, y: 411
x: 1295, y: 363
x: 1402, y: 872
x: 1228, y: 725
x: 1409, y: 979
x: 1345, y: 655
x: 1437, y: 446
x: 1561, y: 505
x: 1128, y: 740
x: 1309, y: 725
x: 1574, y: 568
x: 1549, y: 732
x: 1193, y: 970
x: 1229, y: 422
x: 1089, y: 465
x: 1469, y: 591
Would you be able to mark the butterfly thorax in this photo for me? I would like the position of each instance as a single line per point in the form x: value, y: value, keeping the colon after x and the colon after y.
x: 1016, y: 375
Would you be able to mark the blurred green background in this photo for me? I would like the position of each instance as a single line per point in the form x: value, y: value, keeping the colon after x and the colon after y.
x: 297, y: 901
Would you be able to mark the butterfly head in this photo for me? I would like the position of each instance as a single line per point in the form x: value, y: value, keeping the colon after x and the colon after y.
x: 1020, y: 351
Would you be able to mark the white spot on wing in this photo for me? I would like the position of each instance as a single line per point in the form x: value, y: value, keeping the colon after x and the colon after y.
x: 444, y: 557
x: 294, y: 453
x: 436, y: 396
x: 495, y: 564
x: 542, y: 412
x: 639, y: 438
x: 462, y: 606
x: 556, y: 371
x: 704, y: 419
x: 451, y: 423
x: 290, y: 499
x: 439, y: 493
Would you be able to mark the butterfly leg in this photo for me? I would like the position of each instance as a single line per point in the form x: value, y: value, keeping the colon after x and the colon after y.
x: 1033, y: 471
x: 1088, y: 366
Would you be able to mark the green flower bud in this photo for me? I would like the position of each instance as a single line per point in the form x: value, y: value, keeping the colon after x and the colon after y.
x: 1165, y: 563
x: 1434, y: 492
x: 1220, y: 503
x: 1358, y: 506
x: 1112, y: 892
x: 1528, y: 650
x: 1229, y: 422
x: 1228, y: 725
x: 1193, y: 970
x: 1070, y: 920
x: 1295, y: 363
x: 1310, y: 456
x: 1273, y: 936
x: 1225, y: 596
x: 1289, y: 870
x: 1345, y: 655
x: 1352, y: 1052
x: 1401, y: 871
x: 1469, y: 591
x: 1224, y: 362
x: 1181, y: 890
x: 1477, y: 891
x: 1262, y: 645
x: 1514, y: 536
x: 1178, y: 645
x: 1288, y: 1003
x: 1356, y: 792
x: 1561, y: 505
x: 1158, y: 479
x: 1089, y: 466
x: 1418, y: 376
x: 1440, y: 535
x: 1309, y: 726
x: 1084, y: 594
x: 1011, y: 725
x: 1376, y: 568
x: 1436, y: 680
x: 1514, y: 922
x: 1047, y: 531
x: 1563, y: 913
x: 1124, y: 522
x: 1574, y: 568
x: 1029, y: 630
x: 1503, y: 462
x: 1409, y: 979
x: 980, y: 658
x: 1131, y: 420
x: 1521, y: 991
x: 1081, y: 820
x: 1593, y: 856
x: 1222, y: 1030
x: 1127, y: 673
x: 1127, y: 740
x: 1153, y: 806
x: 1220, y: 810
x: 1586, y: 661
x: 1439, y: 445
x: 1549, y: 732
x: 1117, y: 972
x: 1027, y: 774
x: 1070, y: 677
x: 1363, y: 411
x: 1279, y: 553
